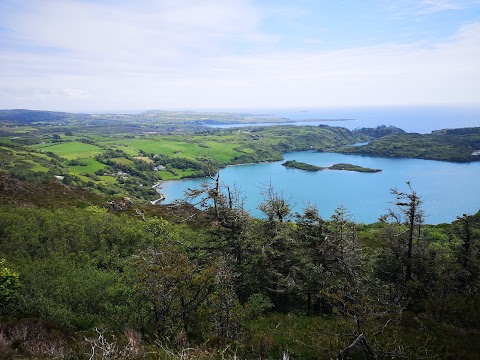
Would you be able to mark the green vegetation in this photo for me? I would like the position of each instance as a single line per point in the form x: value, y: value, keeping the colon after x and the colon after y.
x: 380, y: 131
x: 89, y: 269
x: 301, y: 166
x: 9, y: 285
x: 81, y: 275
x: 127, y: 155
x: 71, y: 150
x: 308, y: 167
x: 350, y: 167
x: 159, y: 146
x: 448, y: 145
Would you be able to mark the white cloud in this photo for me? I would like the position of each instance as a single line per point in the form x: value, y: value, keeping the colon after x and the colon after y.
x: 175, y: 55
x: 149, y: 32
x: 419, y: 8
x: 431, y: 6
x: 389, y: 74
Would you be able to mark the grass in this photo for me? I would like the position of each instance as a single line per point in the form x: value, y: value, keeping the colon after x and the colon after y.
x: 220, y: 151
x: 122, y: 161
x: 302, y: 337
x: 125, y: 148
x: 108, y: 179
x: 5, y: 140
x: 144, y: 158
x: 73, y: 150
x: 21, y: 129
x: 181, y: 173
x: 317, y: 337
x: 167, y: 147
x: 83, y: 178
x: 35, y: 165
x: 92, y: 166
x: 14, y: 158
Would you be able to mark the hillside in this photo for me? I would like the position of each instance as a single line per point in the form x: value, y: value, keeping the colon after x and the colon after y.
x: 127, y: 157
x: 458, y: 145
x: 81, y: 277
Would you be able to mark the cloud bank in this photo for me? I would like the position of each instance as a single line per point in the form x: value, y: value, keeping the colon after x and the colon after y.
x: 83, y: 55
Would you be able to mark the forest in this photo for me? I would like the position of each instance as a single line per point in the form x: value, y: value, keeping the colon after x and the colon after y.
x: 81, y: 278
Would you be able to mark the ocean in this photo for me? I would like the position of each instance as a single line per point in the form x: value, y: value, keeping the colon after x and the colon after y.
x: 419, y: 119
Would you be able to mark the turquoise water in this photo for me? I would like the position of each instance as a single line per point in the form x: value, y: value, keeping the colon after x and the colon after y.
x: 447, y: 189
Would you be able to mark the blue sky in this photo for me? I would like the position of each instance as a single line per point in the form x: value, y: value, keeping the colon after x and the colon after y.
x: 87, y: 55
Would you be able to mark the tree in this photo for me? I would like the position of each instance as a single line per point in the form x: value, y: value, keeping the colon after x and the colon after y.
x: 277, y: 264
x: 311, y: 236
x: 275, y: 206
x: 9, y: 284
x: 403, y: 261
x: 466, y: 229
x: 224, y: 211
x: 410, y: 213
x: 227, y: 312
x: 171, y: 287
x: 337, y: 256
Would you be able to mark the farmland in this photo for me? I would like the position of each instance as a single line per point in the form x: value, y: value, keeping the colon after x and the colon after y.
x: 113, y: 160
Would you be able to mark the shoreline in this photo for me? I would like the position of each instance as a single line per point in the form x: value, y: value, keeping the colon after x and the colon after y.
x: 156, y: 201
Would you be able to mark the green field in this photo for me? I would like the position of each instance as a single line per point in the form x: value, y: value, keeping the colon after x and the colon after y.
x: 222, y: 152
x: 122, y: 161
x: 108, y: 179
x: 20, y: 159
x: 5, y: 140
x: 71, y: 150
x: 35, y: 165
x: 92, y: 166
x: 22, y: 130
x: 182, y: 154
x: 120, y: 145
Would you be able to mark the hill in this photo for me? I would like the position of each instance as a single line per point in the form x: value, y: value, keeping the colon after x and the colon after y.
x: 457, y: 145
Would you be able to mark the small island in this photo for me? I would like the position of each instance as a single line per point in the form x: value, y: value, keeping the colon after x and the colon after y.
x: 301, y: 166
x: 350, y: 167
x: 308, y: 167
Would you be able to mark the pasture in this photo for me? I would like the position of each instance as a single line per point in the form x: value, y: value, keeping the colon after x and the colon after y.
x: 192, y: 148
x: 92, y: 165
x: 72, y: 150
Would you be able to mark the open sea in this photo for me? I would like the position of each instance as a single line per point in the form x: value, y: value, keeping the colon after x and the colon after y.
x: 419, y: 119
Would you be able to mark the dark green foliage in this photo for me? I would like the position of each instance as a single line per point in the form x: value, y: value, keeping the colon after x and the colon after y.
x: 308, y: 167
x: 181, y: 163
x: 9, y: 286
x: 81, y: 267
x: 302, y: 166
x: 446, y: 145
x: 76, y: 163
x: 350, y: 167
x: 379, y: 131
x: 460, y: 131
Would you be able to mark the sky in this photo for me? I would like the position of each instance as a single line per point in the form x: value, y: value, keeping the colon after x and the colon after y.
x: 129, y: 55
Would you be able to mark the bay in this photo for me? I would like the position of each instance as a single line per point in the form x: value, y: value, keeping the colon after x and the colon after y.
x: 419, y: 119
x: 447, y: 189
